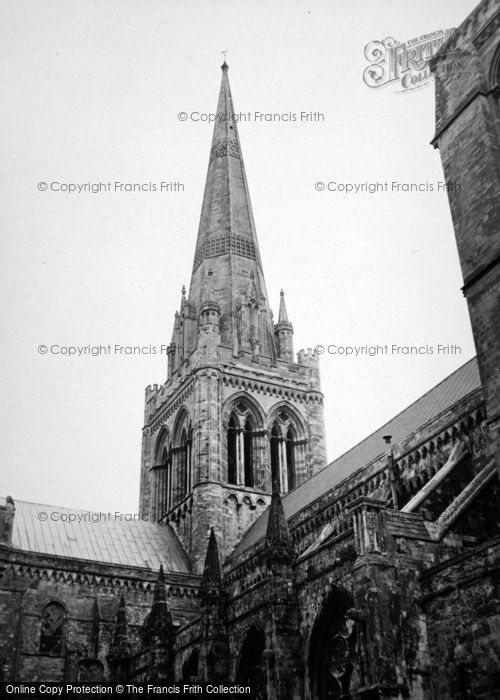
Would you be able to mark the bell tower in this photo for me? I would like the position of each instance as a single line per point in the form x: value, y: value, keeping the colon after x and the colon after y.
x: 237, y: 412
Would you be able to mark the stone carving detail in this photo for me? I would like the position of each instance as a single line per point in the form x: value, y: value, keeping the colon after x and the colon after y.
x: 341, y: 656
x: 222, y: 244
x: 52, y: 629
x: 225, y: 146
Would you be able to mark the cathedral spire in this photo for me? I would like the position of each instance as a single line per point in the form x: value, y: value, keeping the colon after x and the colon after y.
x: 227, y: 241
x: 217, y: 423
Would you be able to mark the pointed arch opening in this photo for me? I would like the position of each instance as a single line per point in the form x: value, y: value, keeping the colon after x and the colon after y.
x: 242, y: 443
x: 167, y: 463
x: 190, y: 667
x: 52, y: 629
x: 182, y: 458
x: 251, y: 664
x: 275, y: 454
x: 162, y: 474
x: 232, y: 451
x: 287, y: 449
x: 183, y: 463
x: 248, y: 432
x: 290, y: 441
x: 333, y: 663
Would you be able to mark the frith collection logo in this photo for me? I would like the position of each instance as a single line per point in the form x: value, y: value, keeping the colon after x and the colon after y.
x: 405, y: 64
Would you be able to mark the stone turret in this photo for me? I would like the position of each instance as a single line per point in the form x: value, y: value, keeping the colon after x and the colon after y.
x: 209, y: 321
x: 278, y: 540
x: 7, y: 513
x: 282, y: 657
x: 211, y: 586
x: 283, y: 331
x: 120, y: 650
x: 213, y: 602
x: 159, y: 634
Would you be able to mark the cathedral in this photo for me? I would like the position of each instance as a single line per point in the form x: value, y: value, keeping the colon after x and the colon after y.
x: 255, y: 561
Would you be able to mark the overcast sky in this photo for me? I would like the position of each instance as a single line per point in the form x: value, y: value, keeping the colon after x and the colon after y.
x: 92, y: 92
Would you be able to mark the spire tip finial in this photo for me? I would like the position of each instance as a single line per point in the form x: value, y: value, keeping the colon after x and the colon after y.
x: 224, y: 65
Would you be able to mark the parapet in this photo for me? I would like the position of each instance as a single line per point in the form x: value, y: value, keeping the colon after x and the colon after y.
x: 308, y: 357
x: 151, y: 390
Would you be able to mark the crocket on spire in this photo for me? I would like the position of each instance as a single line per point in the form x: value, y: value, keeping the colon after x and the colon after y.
x: 159, y: 623
x: 278, y: 540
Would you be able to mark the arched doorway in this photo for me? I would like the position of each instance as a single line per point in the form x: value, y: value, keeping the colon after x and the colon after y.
x: 333, y: 667
x: 251, y: 665
x: 190, y: 668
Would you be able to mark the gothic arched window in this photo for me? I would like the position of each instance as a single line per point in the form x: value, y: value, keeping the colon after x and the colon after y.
x: 287, y: 455
x: 241, y: 433
x: 166, y: 485
x: 275, y: 454
x: 248, y: 452
x: 290, y: 457
x: 232, y: 451
x: 52, y: 626
x: 185, y: 462
x: 181, y: 464
x: 162, y: 475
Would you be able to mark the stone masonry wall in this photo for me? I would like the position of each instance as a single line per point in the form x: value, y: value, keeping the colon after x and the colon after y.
x: 31, y: 581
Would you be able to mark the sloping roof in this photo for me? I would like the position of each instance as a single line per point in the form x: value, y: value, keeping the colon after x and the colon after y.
x: 447, y: 393
x: 96, y: 537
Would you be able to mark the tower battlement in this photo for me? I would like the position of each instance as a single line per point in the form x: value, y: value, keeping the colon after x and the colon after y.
x: 308, y: 357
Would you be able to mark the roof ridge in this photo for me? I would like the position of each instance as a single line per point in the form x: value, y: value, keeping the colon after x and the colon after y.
x: 52, y: 505
x: 88, y: 510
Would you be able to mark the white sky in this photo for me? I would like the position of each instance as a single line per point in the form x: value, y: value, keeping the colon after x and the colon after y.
x: 91, y: 91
